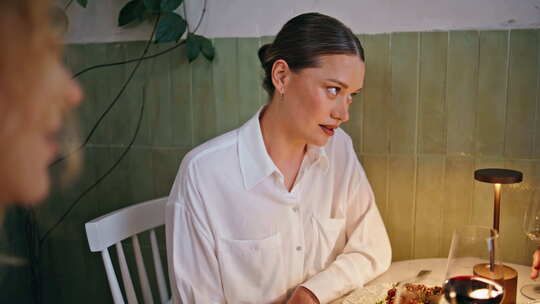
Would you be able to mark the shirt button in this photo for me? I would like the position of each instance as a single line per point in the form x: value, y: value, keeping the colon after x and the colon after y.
x: 298, y: 248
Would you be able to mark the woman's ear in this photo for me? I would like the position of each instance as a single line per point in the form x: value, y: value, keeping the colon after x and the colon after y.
x: 280, y: 75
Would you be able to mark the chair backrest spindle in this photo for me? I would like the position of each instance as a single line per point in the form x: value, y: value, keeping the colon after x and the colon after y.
x: 162, y: 285
x: 141, y: 271
x: 111, y: 277
x: 110, y: 229
x: 126, y: 277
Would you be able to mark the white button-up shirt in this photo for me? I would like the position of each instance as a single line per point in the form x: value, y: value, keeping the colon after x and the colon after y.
x: 235, y: 234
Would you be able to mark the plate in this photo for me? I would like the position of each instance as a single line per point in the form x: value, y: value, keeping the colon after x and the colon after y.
x: 368, y: 294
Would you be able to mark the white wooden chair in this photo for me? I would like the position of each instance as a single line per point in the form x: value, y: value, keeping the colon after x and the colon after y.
x: 110, y: 229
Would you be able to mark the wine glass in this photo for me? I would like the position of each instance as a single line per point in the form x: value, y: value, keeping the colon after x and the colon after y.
x: 474, y: 273
x: 531, y: 227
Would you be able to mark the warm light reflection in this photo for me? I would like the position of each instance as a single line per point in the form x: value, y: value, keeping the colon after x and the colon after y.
x: 484, y: 293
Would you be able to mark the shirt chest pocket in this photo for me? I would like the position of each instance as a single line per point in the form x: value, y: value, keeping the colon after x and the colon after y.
x: 329, y: 238
x: 252, y: 270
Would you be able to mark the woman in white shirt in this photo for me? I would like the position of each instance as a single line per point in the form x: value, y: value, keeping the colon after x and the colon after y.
x: 280, y: 209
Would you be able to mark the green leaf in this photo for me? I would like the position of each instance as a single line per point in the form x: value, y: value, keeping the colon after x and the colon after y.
x: 207, y: 48
x: 193, y: 47
x: 83, y: 3
x: 132, y: 11
x: 171, y: 27
x: 152, y: 5
x: 170, y: 5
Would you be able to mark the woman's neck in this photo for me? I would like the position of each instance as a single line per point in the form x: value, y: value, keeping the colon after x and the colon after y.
x: 278, y: 138
x: 285, y: 151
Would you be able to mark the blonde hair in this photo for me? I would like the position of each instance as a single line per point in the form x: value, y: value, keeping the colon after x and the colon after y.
x: 26, y: 38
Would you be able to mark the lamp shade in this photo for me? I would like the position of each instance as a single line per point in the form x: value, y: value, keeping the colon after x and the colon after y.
x: 498, y: 176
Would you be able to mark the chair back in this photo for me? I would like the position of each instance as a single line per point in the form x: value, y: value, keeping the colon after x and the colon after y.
x: 110, y: 229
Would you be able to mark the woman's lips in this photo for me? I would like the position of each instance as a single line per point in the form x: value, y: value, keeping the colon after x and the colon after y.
x: 52, y: 146
x: 328, y: 130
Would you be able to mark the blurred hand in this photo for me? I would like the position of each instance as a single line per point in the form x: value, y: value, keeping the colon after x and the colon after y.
x: 303, y: 295
x: 535, y: 264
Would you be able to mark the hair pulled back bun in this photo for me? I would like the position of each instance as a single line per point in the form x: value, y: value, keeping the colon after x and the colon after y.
x: 303, y: 39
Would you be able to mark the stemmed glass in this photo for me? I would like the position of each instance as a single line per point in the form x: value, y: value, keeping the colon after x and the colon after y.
x: 531, y: 227
x: 474, y: 273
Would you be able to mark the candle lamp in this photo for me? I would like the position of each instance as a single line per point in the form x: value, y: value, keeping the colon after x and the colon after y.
x: 497, y: 177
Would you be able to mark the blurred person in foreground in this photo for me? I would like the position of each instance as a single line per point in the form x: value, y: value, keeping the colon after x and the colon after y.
x: 280, y: 210
x: 36, y: 91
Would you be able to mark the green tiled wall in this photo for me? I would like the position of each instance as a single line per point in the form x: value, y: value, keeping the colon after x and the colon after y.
x: 436, y: 106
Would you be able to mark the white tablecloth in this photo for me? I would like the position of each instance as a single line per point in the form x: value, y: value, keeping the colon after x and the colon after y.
x: 406, y: 269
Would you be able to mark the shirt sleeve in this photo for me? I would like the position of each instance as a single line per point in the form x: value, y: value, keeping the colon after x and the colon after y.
x: 194, y: 273
x: 366, y: 254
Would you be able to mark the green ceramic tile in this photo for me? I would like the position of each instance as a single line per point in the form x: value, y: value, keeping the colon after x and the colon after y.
x: 225, y: 73
x: 166, y: 163
x: 108, y: 82
x: 135, y: 92
x: 376, y: 168
x: 106, y: 194
x: 534, y: 181
x: 482, y: 212
x: 95, y: 272
x: 204, y: 108
x: 492, y: 80
x: 377, y: 94
x: 158, y: 99
x: 249, y: 77
x: 117, y: 125
x: 354, y: 126
x: 429, y: 206
x: 432, y: 84
x: 514, y: 200
x: 400, y: 212
x: 182, y: 116
x: 264, y: 98
x: 461, y: 92
x: 458, y: 194
x: 74, y: 57
x: 141, y: 174
x: 404, y: 57
x: 522, y: 88
x: 97, y: 92
x: 119, y: 180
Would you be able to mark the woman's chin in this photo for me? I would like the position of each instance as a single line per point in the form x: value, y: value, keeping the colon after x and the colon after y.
x: 35, y: 192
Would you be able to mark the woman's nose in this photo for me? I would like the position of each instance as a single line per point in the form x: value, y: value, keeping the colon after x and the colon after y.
x: 73, y: 94
x: 341, y: 111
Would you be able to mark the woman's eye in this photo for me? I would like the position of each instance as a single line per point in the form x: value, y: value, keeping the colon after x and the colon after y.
x: 333, y: 91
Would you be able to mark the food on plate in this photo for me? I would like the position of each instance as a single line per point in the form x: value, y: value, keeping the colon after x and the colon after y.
x: 415, y: 294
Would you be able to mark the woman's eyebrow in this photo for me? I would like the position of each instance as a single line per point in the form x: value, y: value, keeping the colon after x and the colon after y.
x: 338, y: 82
x: 343, y: 84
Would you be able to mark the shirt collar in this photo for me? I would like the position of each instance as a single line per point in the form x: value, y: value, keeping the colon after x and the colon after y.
x: 255, y: 162
x: 317, y: 156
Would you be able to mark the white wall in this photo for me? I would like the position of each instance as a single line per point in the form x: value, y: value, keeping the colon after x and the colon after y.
x: 253, y: 18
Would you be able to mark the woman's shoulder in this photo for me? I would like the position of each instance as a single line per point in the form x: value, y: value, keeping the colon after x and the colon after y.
x: 215, y: 149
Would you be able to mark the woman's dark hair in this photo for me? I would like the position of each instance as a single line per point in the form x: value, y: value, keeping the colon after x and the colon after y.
x: 303, y: 39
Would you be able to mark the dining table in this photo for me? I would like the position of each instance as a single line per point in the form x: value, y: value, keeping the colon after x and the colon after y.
x: 406, y: 269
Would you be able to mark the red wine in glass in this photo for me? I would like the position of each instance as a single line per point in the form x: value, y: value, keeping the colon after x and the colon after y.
x: 468, y: 289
